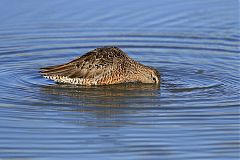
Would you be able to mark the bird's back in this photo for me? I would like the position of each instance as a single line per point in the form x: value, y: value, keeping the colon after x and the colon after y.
x: 100, y: 66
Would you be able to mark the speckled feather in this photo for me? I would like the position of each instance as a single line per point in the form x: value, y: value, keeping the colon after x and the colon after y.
x: 101, y: 66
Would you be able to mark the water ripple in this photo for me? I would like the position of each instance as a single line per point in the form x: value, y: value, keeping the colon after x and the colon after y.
x: 193, y: 115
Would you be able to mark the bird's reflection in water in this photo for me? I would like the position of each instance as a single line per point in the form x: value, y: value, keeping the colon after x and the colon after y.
x: 105, y: 102
x: 105, y: 96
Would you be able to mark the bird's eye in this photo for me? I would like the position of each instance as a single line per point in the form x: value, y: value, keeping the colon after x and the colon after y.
x: 154, y: 79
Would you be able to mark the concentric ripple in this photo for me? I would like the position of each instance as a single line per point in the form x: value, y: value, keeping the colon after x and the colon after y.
x: 193, y: 115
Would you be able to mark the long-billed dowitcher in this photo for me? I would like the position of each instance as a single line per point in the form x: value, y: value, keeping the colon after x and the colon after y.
x: 102, y: 66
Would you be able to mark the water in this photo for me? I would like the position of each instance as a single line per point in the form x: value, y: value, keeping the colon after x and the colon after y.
x: 194, y: 115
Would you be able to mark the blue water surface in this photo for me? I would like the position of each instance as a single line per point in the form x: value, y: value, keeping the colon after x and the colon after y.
x: 194, y: 114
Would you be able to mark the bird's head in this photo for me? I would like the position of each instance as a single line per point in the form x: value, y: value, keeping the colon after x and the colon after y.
x: 149, y: 75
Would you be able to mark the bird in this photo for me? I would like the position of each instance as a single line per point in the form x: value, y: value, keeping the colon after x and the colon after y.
x: 102, y: 66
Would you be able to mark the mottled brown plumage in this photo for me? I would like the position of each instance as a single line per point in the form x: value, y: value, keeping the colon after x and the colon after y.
x: 102, y: 66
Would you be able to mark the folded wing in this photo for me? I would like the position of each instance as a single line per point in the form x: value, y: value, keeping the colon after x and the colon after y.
x: 91, y: 68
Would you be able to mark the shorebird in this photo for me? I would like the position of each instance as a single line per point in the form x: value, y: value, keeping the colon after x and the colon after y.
x: 102, y: 66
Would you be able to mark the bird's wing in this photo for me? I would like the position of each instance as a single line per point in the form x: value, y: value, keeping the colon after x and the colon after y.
x: 88, y: 66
